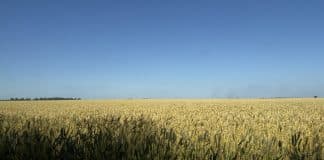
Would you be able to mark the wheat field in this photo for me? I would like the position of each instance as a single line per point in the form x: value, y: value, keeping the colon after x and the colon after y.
x: 163, y: 129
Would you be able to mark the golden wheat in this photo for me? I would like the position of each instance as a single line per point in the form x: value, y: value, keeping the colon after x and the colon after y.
x: 198, y: 129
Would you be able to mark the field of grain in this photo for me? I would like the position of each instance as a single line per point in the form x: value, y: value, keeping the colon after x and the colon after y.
x: 163, y: 129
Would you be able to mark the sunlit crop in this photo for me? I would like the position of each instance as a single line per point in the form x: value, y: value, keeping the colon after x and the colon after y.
x: 163, y: 129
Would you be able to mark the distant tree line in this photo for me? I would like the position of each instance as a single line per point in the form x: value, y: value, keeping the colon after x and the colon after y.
x: 43, y: 98
x: 285, y: 97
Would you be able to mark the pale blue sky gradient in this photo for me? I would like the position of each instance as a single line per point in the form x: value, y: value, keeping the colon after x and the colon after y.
x: 161, y: 49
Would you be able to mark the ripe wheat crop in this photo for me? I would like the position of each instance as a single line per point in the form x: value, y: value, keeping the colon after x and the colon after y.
x: 163, y: 129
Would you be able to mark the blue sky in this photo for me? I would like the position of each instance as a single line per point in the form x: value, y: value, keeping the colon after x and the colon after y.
x: 161, y: 49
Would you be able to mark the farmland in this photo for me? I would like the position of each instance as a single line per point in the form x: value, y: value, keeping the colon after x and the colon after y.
x: 163, y: 129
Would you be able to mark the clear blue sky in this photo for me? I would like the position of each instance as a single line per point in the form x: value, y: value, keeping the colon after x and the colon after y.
x: 161, y: 48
